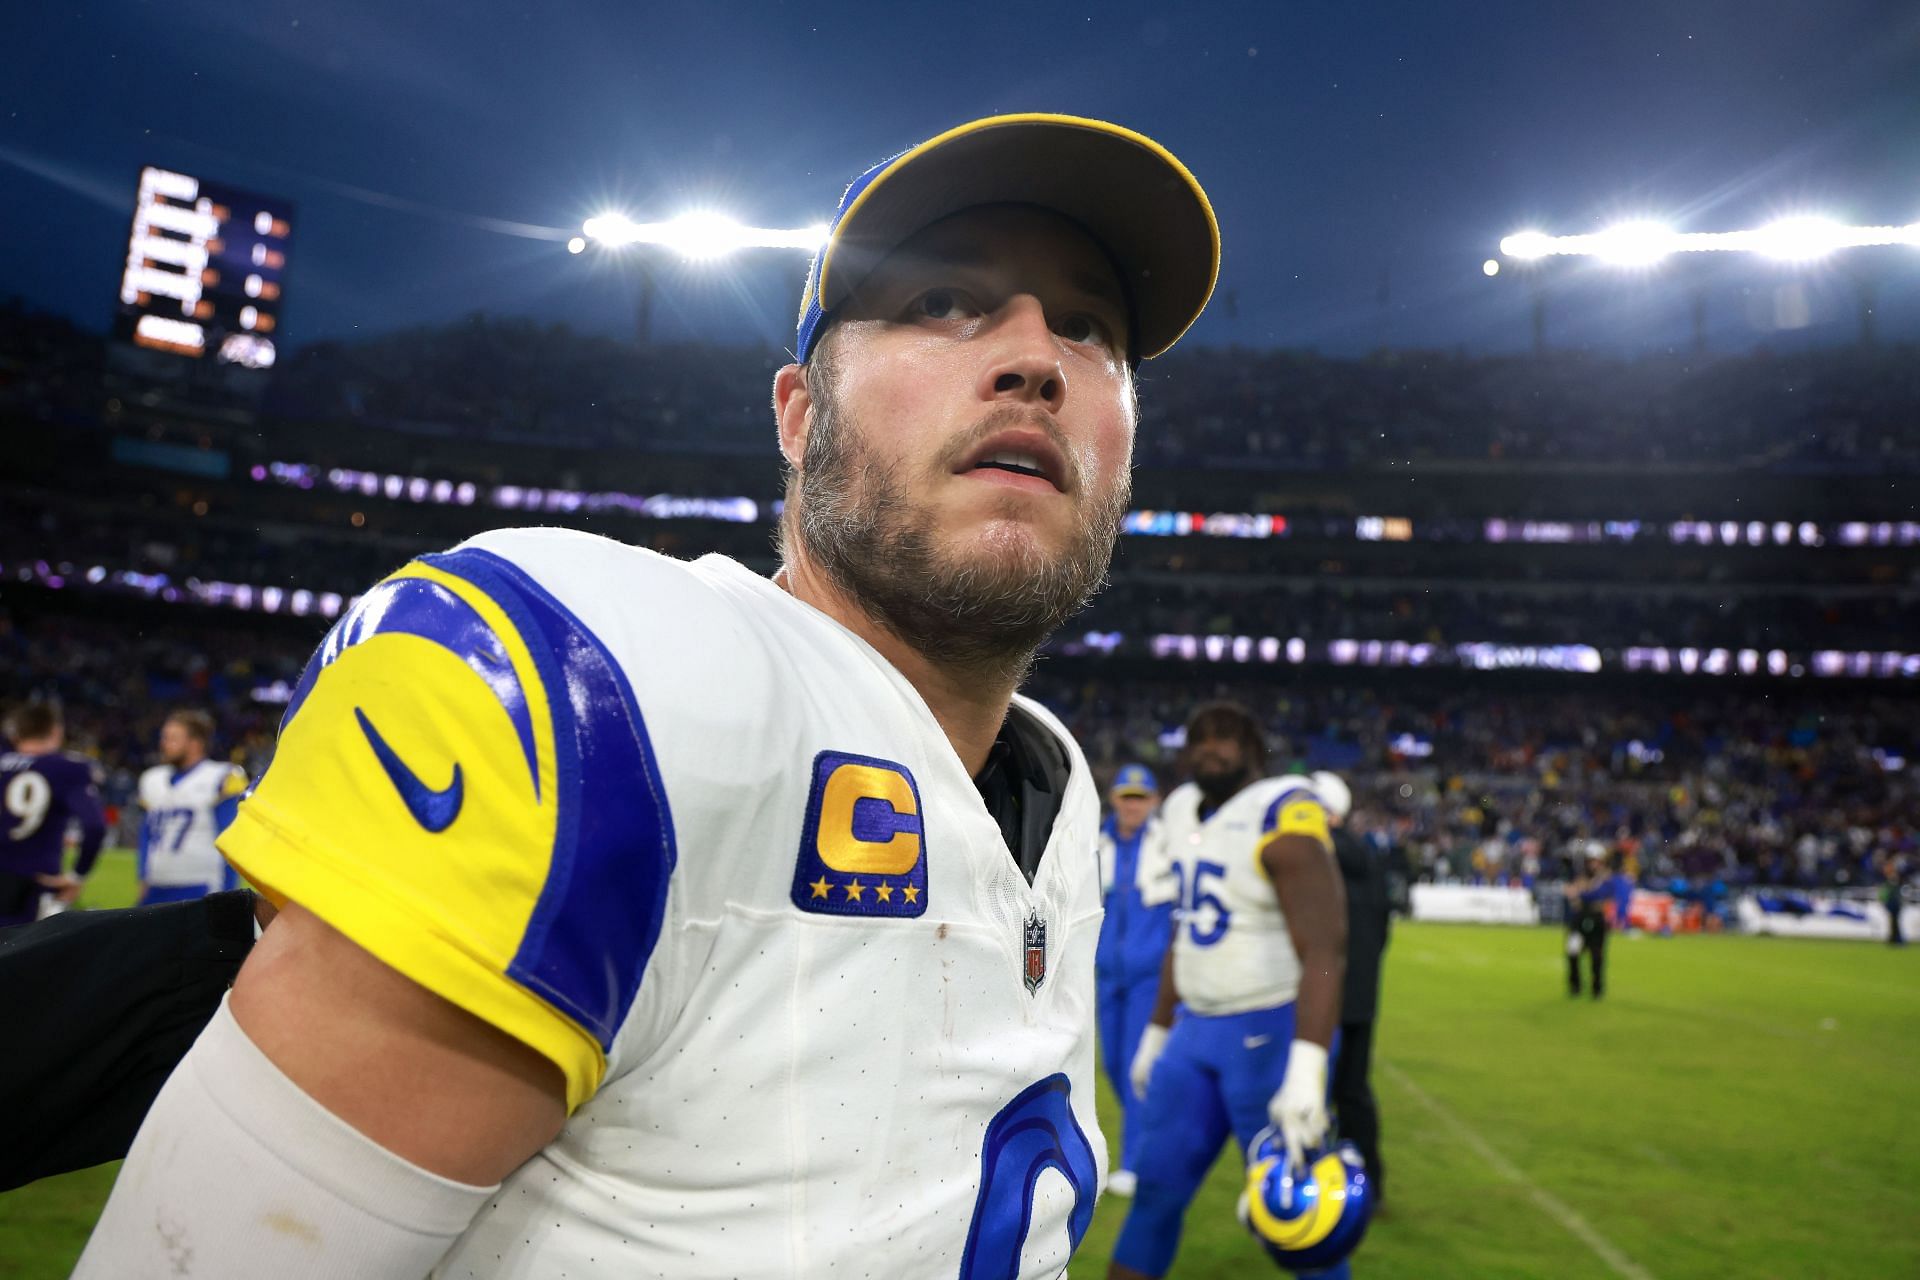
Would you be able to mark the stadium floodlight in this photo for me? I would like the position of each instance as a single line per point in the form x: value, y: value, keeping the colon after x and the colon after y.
x: 701, y: 235
x: 1800, y: 238
x: 1526, y: 246
x: 1634, y: 244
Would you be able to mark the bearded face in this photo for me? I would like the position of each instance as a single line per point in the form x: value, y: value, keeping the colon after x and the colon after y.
x: 966, y: 464
x: 986, y: 600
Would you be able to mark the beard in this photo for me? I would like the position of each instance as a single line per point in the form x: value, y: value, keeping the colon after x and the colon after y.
x: 983, y: 612
x: 1220, y: 783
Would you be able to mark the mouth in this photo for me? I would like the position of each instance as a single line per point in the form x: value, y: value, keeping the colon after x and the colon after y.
x: 1024, y: 458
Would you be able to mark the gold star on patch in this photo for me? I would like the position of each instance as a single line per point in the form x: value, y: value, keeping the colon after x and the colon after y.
x: 883, y: 892
x: 911, y: 893
x: 854, y: 891
x: 819, y: 887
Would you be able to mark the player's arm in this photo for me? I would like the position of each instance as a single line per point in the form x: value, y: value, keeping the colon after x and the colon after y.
x: 333, y: 1119
x: 456, y: 946
x: 83, y: 802
x: 1297, y: 856
x: 1314, y: 900
x: 415, y: 1074
x: 1168, y: 997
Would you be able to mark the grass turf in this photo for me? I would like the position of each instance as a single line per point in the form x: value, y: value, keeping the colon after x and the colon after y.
x: 1732, y: 1108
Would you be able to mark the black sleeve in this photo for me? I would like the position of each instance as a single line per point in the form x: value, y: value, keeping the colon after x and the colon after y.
x: 98, y: 1008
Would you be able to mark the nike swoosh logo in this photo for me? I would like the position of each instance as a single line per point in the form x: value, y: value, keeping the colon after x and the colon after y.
x: 1254, y: 1042
x: 434, y: 810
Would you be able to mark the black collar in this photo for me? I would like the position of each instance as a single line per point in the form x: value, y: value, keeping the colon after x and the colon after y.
x: 1022, y: 785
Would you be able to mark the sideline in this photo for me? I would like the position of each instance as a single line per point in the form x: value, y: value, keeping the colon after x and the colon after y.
x: 1546, y: 1201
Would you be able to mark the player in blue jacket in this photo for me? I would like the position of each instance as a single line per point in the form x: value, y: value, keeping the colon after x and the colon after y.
x: 1141, y: 888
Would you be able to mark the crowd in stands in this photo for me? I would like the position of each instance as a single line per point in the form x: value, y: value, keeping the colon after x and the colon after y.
x: 1830, y: 409
x: 1473, y: 783
x: 1314, y: 603
x: 1456, y: 612
x: 1469, y: 777
x: 1800, y: 788
x: 1850, y: 410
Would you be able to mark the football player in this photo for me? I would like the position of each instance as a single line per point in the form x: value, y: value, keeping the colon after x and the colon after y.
x: 654, y: 918
x: 43, y: 790
x: 1141, y: 888
x: 1250, y: 990
x: 189, y: 799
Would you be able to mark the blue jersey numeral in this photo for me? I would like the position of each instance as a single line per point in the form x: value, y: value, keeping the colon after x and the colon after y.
x: 169, y: 829
x: 1204, y: 896
x: 1035, y: 1132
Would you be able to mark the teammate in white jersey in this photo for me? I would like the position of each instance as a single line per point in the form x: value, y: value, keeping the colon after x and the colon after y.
x: 645, y: 918
x: 188, y: 800
x: 1250, y: 993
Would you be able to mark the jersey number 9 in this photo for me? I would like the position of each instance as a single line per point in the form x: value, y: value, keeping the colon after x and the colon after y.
x: 27, y: 798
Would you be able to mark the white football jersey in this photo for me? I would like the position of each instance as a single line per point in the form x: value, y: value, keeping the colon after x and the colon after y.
x: 707, y: 850
x: 1231, y: 948
x: 184, y: 812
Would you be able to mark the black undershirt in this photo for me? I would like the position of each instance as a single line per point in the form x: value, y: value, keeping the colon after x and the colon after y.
x: 1022, y: 784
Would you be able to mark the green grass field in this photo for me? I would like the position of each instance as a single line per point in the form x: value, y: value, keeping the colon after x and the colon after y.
x: 1733, y: 1108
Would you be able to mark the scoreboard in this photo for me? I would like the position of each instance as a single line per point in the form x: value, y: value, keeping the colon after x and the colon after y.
x: 206, y: 266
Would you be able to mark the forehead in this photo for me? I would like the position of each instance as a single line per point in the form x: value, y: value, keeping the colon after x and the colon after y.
x: 1033, y: 247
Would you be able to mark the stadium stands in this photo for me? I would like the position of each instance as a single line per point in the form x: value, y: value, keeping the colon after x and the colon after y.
x: 1623, y: 530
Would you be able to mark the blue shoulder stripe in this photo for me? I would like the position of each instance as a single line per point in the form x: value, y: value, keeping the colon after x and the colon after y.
x: 1285, y: 798
x: 602, y: 909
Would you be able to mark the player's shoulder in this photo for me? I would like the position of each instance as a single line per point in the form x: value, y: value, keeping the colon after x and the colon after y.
x: 630, y: 599
x: 1185, y: 795
x: 1290, y: 806
x: 1289, y: 786
x: 571, y: 560
x: 153, y: 781
x: 1181, y: 808
x: 71, y: 767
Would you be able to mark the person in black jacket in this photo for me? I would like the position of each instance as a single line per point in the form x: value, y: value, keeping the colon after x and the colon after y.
x: 1369, y: 906
x: 96, y: 1010
x: 1587, y: 925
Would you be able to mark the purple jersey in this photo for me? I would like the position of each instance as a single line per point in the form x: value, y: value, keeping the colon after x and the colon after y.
x: 39, y: 796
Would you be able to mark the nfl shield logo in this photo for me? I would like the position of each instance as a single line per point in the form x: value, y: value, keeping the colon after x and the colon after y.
x: 1036, y: 953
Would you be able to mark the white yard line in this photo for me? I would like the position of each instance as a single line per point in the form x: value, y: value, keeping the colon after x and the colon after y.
x: 1551, y: 1205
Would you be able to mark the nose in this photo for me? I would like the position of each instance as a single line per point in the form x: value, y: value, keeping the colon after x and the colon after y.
x: 1026, y: 361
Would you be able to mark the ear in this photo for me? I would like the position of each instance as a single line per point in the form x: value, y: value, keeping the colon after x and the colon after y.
x: 792, y: 412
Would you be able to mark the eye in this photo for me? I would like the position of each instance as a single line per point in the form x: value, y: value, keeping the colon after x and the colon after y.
x: 1080, y: 327
x: 941, y: 304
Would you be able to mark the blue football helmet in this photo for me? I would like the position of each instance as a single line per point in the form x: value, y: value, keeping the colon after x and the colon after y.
x: 1308, y: 1219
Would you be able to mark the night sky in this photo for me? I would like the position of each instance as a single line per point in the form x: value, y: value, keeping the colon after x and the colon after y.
x: 1364, y: 158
